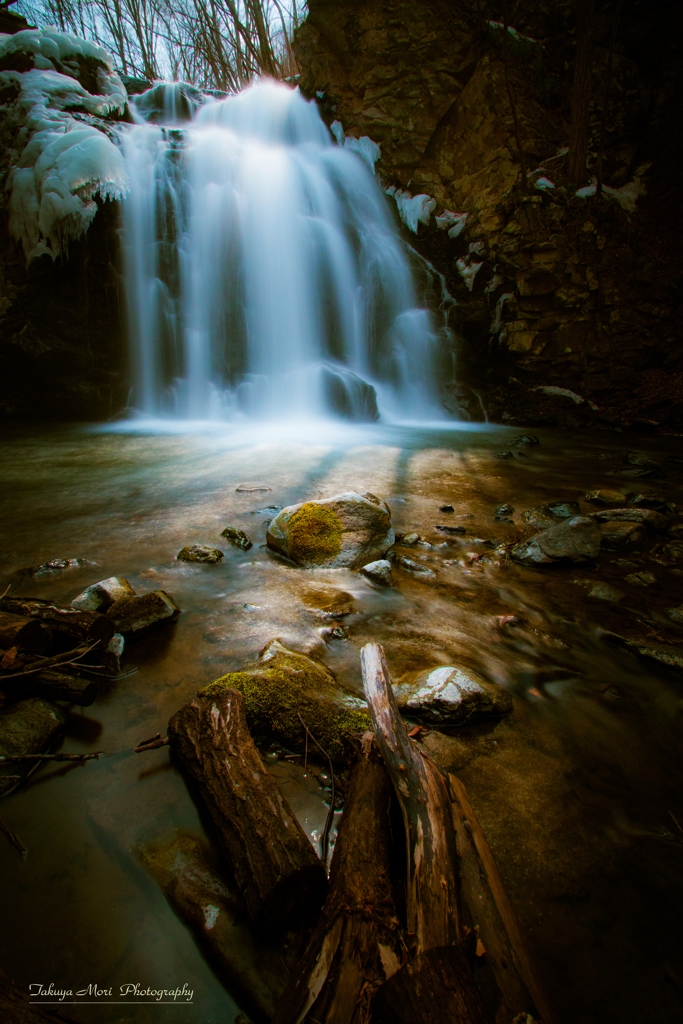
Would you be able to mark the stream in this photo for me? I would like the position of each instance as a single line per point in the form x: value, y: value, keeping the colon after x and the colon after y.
x: 578, y: 789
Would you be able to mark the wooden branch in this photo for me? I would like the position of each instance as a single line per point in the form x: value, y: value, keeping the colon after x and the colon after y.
x: 21, y: 631
x: 153, y: 743
x: 431, y: 886
x: 68, y: 658
x: 274, y: 863
x: 13, y: 839
x: 508, y: 977
x: 84, y: 626
x: 357, y: 943
x: 5, y: 758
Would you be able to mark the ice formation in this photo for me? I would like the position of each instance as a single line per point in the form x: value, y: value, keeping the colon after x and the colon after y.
x: 412, y: 209
x: 62, y: 156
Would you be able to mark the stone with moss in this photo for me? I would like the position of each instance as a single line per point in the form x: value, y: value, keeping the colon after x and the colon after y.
x: 283, y: 685
x: 348, y: 530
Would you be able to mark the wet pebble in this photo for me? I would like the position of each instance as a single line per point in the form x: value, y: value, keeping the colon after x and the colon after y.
x: 200, y: 553
x: 504, y: 510
x: 378, y: 572
x: 237, y: 538
x: 446, y: 508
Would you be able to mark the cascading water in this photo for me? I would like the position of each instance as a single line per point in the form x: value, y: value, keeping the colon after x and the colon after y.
x: 265, y: 276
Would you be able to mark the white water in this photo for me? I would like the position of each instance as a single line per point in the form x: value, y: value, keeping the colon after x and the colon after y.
x: 265, y: 276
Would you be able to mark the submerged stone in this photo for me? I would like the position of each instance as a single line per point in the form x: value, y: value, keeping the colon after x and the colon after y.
x: 604, y: 496
x: 640, y: 579
x: 676, y: 614
x: 27, y: 727
x: 524, y: 441
x: 237, y: 538
x: 619, y: 535
x: 199, y: 553
x: 284, y: 684
x: 573, y: 540
x: 250, y: 488
x: 102, y: 595
x: 348, y: 530
x: 378, y: 572
x: 451, y: 696
x: 135, y: 614
x: 646, y: 516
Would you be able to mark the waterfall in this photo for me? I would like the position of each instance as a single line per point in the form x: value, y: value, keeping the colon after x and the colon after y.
x: 265, y: 275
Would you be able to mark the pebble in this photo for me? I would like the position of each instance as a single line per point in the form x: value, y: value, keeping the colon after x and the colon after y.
x: 446, y: 508
x: 378, y: 572
x: 603, y: 496
x: 237, y: 538
x: 504, y: 510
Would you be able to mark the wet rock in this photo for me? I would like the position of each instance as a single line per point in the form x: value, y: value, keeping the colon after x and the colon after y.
x: 619, y: 535
x: 284, y: 684
x: 102, y: 595
x: 563, y: 509
x: 540, y: 518
x: 135, y: 614
x: 670, y: 554
x: 334, y: 633
x: 347, y: 530
x: 451, y: 529
x: 266, y: 510
x: 57, y: 565
x: 378, y: 572
x: 335, y: 604
x: 504, y: 510
x: 446, y: 508
x: 666, y: 655
x: 28, y: 727
x: 604, y: 592
x: 112, y: 654
x: 645, y: 516
x: 648, y: 499
x: 603, y: 496
x: 641, y: 461
x: 450, y: 696
x: 411, y: 539
x: 200, y: 553
x: 640, y: 579
x: 348, y: 395
x: 573, y: 540
x: 237, y: 538
x: 676, y: 614
x: 251, y: 488
x: 524, y: 441
x: 504, y: 455
x: 415, y: 567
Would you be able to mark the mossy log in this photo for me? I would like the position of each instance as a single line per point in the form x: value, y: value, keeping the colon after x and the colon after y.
x: 504, y: 972
x: 87, y: 626
x: 272, y: 859
x: 357, y: 944
x: 205, y: 899
x: 283, y: 685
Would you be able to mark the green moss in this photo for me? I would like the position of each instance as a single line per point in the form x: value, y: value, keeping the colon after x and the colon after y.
x: 294, y: 685
x: 314, y: 534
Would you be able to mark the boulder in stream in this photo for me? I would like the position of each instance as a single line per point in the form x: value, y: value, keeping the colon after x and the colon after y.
x: 237, y: 538
x: 200, y: 553
x: 284, y: 684
x: 378, y: 572
x: 27, y: 727
x: 573, y: 540
x: 100, y: 596
x: 138, y: 613
x: 348, y: 530
x: 645, y: 516
x: 450, y: 696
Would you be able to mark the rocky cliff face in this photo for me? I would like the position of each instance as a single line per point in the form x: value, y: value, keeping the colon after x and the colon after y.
x: 554, y: 289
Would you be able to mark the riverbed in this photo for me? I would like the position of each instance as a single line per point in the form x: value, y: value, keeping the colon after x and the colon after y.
x: 578, y: 789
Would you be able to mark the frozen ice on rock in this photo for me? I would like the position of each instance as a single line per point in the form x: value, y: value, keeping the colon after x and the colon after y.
x: 366, y: 149
x: 412, y: 209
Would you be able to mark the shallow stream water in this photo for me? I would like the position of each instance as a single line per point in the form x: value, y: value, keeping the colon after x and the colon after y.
x: 578, y: 790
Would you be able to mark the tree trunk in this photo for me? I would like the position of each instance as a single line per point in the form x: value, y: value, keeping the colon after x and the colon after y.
x: 357, y: 944
x: 431, y: 884
x: 273, y: 861
x: 504, y: 971
x: 581, y: 94
x: 434, y: 988
x: 21, y: 631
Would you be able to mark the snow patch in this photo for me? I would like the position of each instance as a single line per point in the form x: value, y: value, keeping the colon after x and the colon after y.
x: 468, y: 271
x: 544, y: 182
x: 627, y: 196
x: 412, y: 209
x: 366, y: 149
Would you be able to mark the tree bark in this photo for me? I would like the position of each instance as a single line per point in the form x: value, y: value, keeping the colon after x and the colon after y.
x: 505, y: 973
x: 581, y: 93
x: 511, y: 97
x: 357, y: 943
x: 434, y: 988
x: 80, y: 625
x: 431, y: 884
x: 273, y: 861
x: 21, y: 631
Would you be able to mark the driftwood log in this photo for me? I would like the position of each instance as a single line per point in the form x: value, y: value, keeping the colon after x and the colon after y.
x: 432, y: 882
x: 357, y: 943
x: 21, y: 631
x: 508, y: 979
x: 274, y: 864
x: 85, y: 626
x: 16, y: 1008
x: 434, y: 988
x: 46, y: 682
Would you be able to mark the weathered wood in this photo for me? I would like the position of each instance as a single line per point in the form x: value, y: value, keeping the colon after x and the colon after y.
x: 435, y: 988
x: 248, y: 963
x: 505, y: 973
x: 357, y: 943
x: 21, y: 631
x: 15, y: 1007
x: 431, y: 884
x: 46, y: 682
x: 81, y: 625
x: 274, y: 863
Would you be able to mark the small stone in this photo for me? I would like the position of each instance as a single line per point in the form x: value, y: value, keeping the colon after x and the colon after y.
x: 446, y: 508
x: 250, y: 488
x: 102, y: 595
x: 415, y: 567
x: 676, y: 614
x: 411, y: 539
x: 671, y: 656
x: 671, y: 553
x: 574, y: 540
x: 504, y: 510
x: 200, y: 553
x: 606, y: 497
x: 504, y: 455
x: 640, y: 579
x: 237, y: 538
x: 266, y: 510
x: 676, y: 531
x: 378, y: 572
x: 451, y: 529
x: 646, y: 516
x: 504, y: 519
x: 524, y: 441
x: 640, y: 460
x: 563, y: 509
x: 648, y: 499
x: 450, y: 696
x: 334, y: 633
x: 619, y: 535
x: 539, y: 518
x: 604, y: 592
x: 135, y: 614
x: 111, y: 656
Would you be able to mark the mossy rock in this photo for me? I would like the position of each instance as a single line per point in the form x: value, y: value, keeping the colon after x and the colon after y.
x: 283, y: 685
x: 348, y: 530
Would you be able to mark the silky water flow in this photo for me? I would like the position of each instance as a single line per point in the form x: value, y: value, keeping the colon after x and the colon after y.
x: 266, y: 278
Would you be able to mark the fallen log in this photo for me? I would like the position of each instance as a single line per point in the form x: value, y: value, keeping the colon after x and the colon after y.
x: 431, y: 883
x: 193, y: 883
x: 16, y: 1007
x: 21, y: 631
x: 357, y: 943
x: 505, y: 974
x: 46, y: 682
x: 273, y: 861
x: 86, y: 626
x: 433, y: 988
